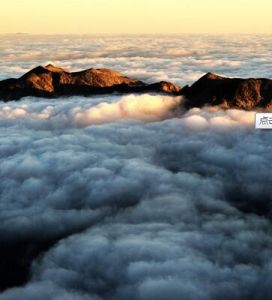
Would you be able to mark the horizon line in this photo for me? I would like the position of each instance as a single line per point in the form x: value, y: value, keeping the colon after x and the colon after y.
x: 139, y: 33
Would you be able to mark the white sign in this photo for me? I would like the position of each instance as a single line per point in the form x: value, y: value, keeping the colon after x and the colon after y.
x: 263, y: 121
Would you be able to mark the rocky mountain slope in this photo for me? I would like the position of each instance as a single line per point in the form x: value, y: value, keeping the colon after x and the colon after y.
x: 211, y: 89
x: 51, y: 81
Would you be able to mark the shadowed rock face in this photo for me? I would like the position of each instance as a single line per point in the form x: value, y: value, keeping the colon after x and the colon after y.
x: 212, y: 89
x: 51, y: 81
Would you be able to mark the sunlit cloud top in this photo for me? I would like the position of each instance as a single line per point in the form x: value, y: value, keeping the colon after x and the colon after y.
x: 135, y: 16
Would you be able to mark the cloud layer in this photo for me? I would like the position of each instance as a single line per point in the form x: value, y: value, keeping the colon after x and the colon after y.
x: 181, y: 59
x: 152, y: 203
x: 129, y: 197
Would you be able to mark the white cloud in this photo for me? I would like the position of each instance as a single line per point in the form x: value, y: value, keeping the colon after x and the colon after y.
x: 127, y: 197
x: 136, y: 207
x: 181, y: 59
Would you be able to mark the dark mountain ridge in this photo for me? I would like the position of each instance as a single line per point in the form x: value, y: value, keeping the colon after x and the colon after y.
x: 211, y: 89
x: 51, y: 82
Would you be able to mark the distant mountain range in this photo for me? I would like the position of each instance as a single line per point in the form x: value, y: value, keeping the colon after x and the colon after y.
x: 211, y: 89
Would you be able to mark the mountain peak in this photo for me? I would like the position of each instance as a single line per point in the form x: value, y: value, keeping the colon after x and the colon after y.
x: 212, y: 76
x: 211, y: 89
x: 54, y: 69
x: 51, y: 81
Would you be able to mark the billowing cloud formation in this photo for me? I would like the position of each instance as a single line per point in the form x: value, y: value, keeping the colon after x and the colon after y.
x: 101, y: 110
x: 145, y: 108
x: 148, y: 108
x: 124, y: 208
x: 129, y: 197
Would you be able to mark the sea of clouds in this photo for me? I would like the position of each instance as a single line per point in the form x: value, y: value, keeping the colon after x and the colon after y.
x: 181, y: 59
x: 142, y: 199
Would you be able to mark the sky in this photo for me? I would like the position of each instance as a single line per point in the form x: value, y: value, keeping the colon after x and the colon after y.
x: 135, y: 16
